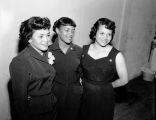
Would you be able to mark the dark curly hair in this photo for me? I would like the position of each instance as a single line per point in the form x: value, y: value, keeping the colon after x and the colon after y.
x: 102, y: 21
x: 28, y: 26
x: 63, y: 21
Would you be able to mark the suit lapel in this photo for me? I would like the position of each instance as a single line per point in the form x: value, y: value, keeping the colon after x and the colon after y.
x: 36, y: 55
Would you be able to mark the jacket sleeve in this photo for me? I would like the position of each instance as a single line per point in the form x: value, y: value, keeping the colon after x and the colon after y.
x: 19, y: 78
x: 80, y: 66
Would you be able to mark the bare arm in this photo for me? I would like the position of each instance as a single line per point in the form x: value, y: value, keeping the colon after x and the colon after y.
x: 121, y: 70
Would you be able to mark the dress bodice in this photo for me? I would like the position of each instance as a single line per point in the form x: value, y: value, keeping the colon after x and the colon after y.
x: 100, y: 70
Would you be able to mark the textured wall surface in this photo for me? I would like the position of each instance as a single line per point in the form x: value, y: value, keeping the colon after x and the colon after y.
x: 137, y: 34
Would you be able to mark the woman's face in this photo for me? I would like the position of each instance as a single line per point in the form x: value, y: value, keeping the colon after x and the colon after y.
x: 40, y: 39
x: 103, y: 36
x: 66, y: 33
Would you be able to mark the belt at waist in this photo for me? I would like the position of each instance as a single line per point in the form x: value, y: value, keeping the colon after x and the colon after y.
x: 29, y: 97
x: 65, y: 84
x: 95, y: 82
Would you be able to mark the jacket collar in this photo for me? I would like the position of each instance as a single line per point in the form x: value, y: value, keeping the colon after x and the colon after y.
x: 55, y: 46
x: 37, y: 55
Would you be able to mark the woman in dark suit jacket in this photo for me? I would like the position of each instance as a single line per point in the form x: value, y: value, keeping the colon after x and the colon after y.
x: 32, y: 72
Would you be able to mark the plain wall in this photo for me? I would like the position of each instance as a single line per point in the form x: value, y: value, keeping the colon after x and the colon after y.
x: 13, y: 12
x: 137, y: 32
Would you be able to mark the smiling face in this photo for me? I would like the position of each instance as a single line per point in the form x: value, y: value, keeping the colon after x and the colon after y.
x: 103, y: 36
x: 40, y: 39
x: 66, y: 33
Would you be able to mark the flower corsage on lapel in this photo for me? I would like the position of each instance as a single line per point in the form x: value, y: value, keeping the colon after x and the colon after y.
x: 51, y: 58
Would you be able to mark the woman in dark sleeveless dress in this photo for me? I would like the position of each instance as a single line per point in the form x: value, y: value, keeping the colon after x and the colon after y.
x: 100, y: 62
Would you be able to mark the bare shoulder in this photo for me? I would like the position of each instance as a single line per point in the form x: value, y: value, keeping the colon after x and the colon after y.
x: 120, y: 58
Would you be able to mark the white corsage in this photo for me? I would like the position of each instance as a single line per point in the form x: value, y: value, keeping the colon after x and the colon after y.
x: 51, y: 58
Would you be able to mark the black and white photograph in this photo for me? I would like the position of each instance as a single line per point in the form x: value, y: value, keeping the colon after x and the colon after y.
x: 77, y: 60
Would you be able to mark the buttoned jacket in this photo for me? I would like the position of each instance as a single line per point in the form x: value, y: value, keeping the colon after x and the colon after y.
x: 31, y: 78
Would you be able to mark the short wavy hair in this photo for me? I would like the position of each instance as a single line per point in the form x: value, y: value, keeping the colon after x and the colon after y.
x: 102, y: 21
x: 63, y: 21
x: 28, y: 26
